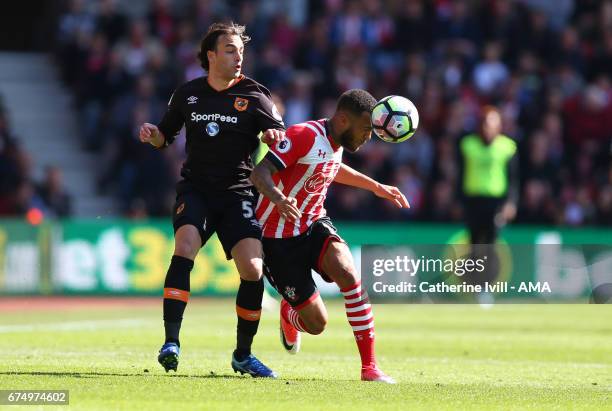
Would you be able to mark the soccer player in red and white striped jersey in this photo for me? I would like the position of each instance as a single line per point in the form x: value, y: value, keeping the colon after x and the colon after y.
x: 293, y: 180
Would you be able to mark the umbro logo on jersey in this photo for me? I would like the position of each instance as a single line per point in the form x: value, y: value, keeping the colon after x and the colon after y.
x: 322, y: 154
x: 192, y: 100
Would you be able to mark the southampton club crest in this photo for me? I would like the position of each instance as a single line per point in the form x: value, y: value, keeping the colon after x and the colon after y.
x: 316, y: 183
x: 290, y: 293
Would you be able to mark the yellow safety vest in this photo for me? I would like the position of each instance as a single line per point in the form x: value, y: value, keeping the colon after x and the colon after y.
x: 486, y: 166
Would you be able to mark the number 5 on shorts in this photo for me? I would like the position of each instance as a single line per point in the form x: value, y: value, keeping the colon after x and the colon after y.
x: 247, y: 209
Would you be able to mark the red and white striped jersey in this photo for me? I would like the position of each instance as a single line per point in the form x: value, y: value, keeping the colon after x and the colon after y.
x: 307, y: 160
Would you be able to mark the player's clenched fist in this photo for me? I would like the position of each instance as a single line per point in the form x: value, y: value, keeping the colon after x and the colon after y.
x: 149, y: 133
x: 272, y: 136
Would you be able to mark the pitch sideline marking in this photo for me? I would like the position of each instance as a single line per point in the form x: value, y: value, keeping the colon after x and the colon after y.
x: 74, y: 325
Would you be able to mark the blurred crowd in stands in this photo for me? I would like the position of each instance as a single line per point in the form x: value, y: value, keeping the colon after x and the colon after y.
x: 546, y: 64
x: 20, y: 195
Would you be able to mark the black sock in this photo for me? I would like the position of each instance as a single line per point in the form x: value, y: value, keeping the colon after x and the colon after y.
x: 248, y: 308
x: 176, y: 294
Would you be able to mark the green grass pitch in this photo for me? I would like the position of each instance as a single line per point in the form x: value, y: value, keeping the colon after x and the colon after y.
x: 443, y: 356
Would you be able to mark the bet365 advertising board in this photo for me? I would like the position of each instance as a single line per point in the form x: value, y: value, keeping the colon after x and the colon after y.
x: 120, y: 257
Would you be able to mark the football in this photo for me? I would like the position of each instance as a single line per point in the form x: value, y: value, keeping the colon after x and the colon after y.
x: 395, y: 119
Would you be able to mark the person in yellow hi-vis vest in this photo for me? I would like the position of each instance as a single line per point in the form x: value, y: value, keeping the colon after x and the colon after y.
x: 489, y: 187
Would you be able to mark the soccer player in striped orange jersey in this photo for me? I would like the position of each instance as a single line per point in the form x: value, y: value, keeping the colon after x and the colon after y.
x: 293, y: 180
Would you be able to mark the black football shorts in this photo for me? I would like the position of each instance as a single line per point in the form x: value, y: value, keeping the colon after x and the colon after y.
x: 231, y: 214
x: 288, y: 261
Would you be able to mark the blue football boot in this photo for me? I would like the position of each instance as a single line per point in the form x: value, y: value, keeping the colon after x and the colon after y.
x: 168, y: 356
x: 252, y: 366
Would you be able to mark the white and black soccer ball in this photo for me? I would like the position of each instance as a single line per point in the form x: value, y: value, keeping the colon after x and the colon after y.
x: 395, y: 119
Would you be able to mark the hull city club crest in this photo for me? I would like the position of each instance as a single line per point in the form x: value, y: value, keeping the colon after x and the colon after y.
x: 241, y: 104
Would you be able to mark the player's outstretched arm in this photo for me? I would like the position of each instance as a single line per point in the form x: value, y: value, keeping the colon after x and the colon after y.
x: 261, y: 177
x: 149, y: 133
x: 349, y: 176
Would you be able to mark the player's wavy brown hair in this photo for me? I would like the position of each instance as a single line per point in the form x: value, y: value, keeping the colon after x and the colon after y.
x: 216, y: 30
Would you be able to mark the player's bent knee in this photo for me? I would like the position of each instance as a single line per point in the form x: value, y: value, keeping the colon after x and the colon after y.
x: 251, y: 270
x: 247, y: 255
x: 344, y: 276
x: 345, y: 279
x: 316, y: 324
x: 349, y: 278
x: 338, y: 265
x: 187, y: 242
x: 313, y: 315
x: 186, y: 249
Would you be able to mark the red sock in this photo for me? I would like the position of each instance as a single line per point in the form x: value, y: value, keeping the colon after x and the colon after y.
x: 292, y: 316
x: 361, y: 319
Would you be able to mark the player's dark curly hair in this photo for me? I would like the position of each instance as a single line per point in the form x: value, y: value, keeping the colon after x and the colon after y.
x: 209, y: 41
x: 356, y: 101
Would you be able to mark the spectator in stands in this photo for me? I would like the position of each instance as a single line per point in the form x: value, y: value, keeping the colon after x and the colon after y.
x: 136, y: 51
x: 74, y: 30
x: 57, y: 202
x: 110, y: 22
x: 162, y: 21
x: 9, y: 154
x: 537, y: 206
x: 491, y: 73
x: 604, y: 206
